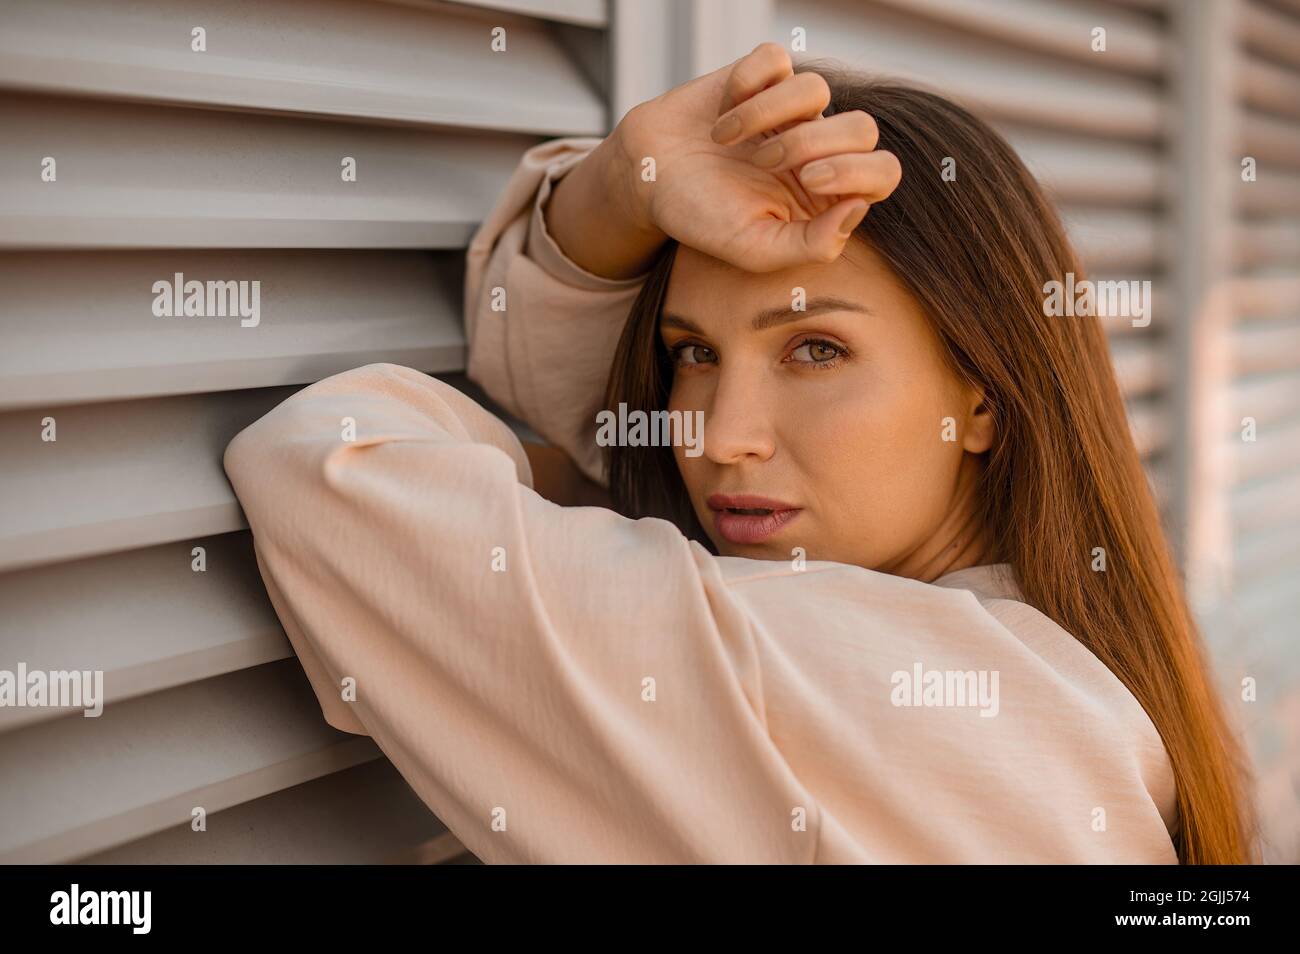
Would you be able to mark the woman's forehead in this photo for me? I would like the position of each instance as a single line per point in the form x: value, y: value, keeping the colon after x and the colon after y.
x: 700, y: 285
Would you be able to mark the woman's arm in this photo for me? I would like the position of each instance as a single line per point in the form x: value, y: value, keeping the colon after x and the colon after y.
x: 558, y: 479
x: 541, y: 329
x: 598, y: 214
x: 557, y: 684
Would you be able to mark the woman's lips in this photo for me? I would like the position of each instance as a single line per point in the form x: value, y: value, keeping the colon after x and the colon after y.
x: 762, y: 518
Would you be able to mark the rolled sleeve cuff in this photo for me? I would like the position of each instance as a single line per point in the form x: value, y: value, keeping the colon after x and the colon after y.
x: 542, y: 248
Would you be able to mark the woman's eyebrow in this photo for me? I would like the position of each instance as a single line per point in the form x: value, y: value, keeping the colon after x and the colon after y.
x: 783, y: 314
x: 771, y: 317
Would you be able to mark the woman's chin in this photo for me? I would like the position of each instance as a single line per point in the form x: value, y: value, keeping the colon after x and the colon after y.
x: 769, y: 549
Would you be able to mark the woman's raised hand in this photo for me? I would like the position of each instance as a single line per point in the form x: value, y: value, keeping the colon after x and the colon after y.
x: 748, y: 171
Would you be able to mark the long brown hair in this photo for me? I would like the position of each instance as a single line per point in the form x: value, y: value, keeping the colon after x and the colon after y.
x: 1064, y: 475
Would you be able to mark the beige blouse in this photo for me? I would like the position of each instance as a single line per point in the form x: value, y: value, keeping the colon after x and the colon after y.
x: 562, y: 684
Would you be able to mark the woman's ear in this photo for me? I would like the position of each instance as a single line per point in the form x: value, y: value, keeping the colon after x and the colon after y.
x: 978, y: 434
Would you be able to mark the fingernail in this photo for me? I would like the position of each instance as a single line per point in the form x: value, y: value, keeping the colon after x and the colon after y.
x: 768, y: 154
x: 726, y: 129
x: 856, y: 215
x: 817, y: 173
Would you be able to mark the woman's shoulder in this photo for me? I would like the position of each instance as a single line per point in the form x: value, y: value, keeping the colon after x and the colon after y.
x: 828, y: 619
x: 1083, y: 674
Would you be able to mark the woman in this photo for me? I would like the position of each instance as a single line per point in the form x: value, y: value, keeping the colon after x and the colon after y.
x: 906, y: 601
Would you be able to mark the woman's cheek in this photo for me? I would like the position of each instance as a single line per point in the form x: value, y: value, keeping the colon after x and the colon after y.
x: 883, y: 473
x: 864, y: 478
x: 686, y: 395
x: 691, y: 470
x: 927, y: 454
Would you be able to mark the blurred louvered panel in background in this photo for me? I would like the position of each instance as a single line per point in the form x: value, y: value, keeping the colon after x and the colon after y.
x: 223, y: 166
x: 1263, y: 365
x: 1265, y: 348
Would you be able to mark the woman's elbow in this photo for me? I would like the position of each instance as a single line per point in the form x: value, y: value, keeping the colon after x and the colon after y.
x: 260, y: 467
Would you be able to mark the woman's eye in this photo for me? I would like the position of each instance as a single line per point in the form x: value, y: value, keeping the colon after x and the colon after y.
x: 693, y: 354
x: 817, y: 351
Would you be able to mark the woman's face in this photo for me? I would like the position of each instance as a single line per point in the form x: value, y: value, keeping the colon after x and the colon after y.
x: 835, y: 416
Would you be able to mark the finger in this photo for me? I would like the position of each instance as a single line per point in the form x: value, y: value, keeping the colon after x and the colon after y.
x: 825, y: 235
x: 801, y: 96
x: 820, y: 239
x: 844, y: 132
x: 871, y: 175
x: 766, y: 65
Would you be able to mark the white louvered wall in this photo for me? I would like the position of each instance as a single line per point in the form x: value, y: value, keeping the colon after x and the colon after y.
x: 223, y: 165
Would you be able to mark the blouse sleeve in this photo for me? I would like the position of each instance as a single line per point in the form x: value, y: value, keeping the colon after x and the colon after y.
x: 541, y: 330
x: 557, y: 684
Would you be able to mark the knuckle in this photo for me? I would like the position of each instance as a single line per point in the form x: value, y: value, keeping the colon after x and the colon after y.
x: 797, y: 141
x: 815, y: 85
x: 827, y: 254
x: 637, y: 119
x: 894, y: 168
x: 864, y: 125
x: 755, y: 114
x: 773, y: 53
x: 739, y: 77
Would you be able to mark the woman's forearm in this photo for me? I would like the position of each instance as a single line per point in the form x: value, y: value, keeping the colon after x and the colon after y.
x: 598, y: 212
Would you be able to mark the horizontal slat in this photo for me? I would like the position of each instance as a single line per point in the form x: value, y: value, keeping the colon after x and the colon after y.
x: 1264, y: 348
x: 1159, y: 479
x: 1134, y: 43
x: 1275, y: 450
x: 125, y: 474
x: 1267, y: 610
x: 1267, y: 86
x: 1150, y: 426
x: 1139, y: 365
x: 337, y: 58
x: 237, y: 181
x: 1272, y: 140
x: 1275, y: 193
x: 145, y: 618
x: 1084, y: 169
x: 1268, y: 399
x: 321, y: 312
x: 1161, y: 309
x: 588, y: 13
x: 1111, y: 239
x: 993, y: 78
x: 362, y: 815
x: 1291, y: 7
x: 121, y: 474
x: 1270, y: 32
x: 1153, y: 8
x: 1262, y: 506
x: 76, y: 786
x: 1261, y: 556
x: 1268, y: 295
x: 1262, y: 243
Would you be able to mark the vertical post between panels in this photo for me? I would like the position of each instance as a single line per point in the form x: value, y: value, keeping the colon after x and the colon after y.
x: 1202, y: 260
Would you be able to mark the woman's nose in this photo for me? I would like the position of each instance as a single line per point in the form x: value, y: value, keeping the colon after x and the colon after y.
x: 738, y: 420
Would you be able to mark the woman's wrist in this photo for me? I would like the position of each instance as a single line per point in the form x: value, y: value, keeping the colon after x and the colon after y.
x: 599, y: 211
